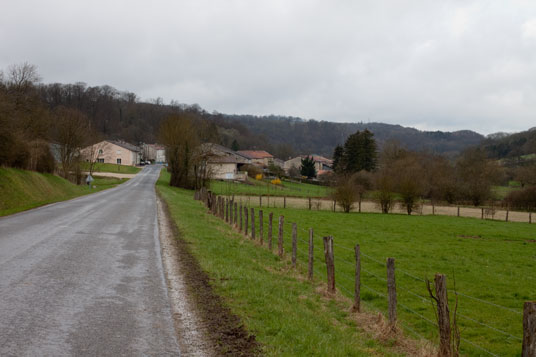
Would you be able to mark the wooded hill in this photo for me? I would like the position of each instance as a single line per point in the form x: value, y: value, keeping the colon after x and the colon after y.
x: 513, y: 147
x: 121, y: 115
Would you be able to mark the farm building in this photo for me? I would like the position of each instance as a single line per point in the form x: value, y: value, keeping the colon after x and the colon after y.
x: 224, y: 163
x: 257, y: 157
x: 113, y: 152
x: 322, y: 164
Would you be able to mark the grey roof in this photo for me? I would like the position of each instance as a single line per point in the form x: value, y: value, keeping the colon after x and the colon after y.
x: 125, y: 145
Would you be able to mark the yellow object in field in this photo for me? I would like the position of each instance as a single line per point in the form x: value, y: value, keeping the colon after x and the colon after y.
x: 276, y: 181
x: 258, y: 177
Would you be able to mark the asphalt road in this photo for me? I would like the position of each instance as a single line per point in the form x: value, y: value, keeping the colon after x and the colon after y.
x: 85, y: 277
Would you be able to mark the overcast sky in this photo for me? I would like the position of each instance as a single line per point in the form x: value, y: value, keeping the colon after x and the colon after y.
x: 434, y: 65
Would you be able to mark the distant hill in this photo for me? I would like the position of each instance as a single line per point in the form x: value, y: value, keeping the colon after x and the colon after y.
x: 321, y: 137
x: 510, y: 146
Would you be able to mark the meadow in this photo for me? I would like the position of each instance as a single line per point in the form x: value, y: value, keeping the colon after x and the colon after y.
x: 489, y: 267
x: 264, y: 187
x: 103, y: 167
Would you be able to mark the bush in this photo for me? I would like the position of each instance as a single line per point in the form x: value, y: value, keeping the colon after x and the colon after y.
x: 252, y: 170
x: 276, y: 181
x: 258, y: 177
x: 523, y: 199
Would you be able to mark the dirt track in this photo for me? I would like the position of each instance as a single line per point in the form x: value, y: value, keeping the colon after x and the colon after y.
x: 369, y: 206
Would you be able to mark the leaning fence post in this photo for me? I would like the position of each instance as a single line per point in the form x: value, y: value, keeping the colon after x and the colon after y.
x: 261, y: 228
x: 252, y: 223
x: 529, y: 329
x: 294, y: 243
x: 311, y: 253
x: 246, y: 221
x: 391, y: 290
x: 270, y: 217
x: 443, y: 315
x: 330, y: 264
x: 280, y: 238
x: 357, y: 286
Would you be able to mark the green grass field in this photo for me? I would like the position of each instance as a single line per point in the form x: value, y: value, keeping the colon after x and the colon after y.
x: 101, y: 167
x: 21, y: 190
x: 257, y: 188
x: 492, y: 262
x: 285, y: 312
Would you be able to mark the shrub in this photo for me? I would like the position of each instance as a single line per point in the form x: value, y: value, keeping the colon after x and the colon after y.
x: 523, y: 199
x: 258, y: 177
x: 276, y: 181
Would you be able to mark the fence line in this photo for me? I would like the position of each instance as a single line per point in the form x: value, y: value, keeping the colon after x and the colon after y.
x: 344, y: 277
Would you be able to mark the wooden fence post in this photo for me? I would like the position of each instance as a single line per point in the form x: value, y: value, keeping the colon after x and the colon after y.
x: 507, y: 212
x: 357, y: 286
x: 260, y: 201
x: 235, y: 214
x: 240, y: 226
x: 311, y: 253
x: 294, y: 243
x: 246, y: 221
x: 391, y: 290
x: 252, y: 223
x: 334, y: 205
x: 330, y: 263
x: 284, y: 201
x: 530, y: 217
x: 309, y: 203
x: 280, y: 237
x: 261, y: 227
x: 270, y: 218
x: 226, y: 210
x: 482, y: 213
x: 458, y: 211
x: 443, y: 315
x: 529, y: 329
x: 433, y: 209
x: 359, y: 203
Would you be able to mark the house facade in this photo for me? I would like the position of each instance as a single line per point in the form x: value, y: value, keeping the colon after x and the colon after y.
x: 257, y: 157
x: 154, y: 153
x: 322, y: 164
x: 113, y: 152
x: 224, y: 163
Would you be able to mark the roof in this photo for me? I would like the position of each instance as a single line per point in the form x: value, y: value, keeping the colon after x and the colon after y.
x: 255, y: 154
x: 221, y: 154
x: 124, y: 145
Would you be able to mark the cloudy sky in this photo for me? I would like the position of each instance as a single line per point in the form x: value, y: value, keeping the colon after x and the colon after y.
x: 434, y: 65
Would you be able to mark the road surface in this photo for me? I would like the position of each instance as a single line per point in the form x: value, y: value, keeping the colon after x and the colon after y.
x: 84, y: 277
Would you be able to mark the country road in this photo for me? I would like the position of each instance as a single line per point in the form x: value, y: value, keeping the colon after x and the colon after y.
x: 85, y: 277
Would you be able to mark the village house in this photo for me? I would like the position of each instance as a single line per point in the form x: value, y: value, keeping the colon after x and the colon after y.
x: 322, y: 164
x: 257, y: 157
x: 113, y: 152
x: 154, y: 153
x: 224, y: 163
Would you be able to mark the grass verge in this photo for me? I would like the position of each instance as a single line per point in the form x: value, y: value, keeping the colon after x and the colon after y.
x: 286, y: 313
x: 21, y: 190
x: 102, y: 167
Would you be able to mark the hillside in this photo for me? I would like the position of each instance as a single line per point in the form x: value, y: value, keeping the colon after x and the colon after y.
x: 321, y: 137
x: 510, y: 146
x: 21, y: 190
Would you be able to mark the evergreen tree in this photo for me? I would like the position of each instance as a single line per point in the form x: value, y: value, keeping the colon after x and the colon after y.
x: 234, y: 145
x: 359, y: 153
x: 338, y: 156
x: 308, y: 167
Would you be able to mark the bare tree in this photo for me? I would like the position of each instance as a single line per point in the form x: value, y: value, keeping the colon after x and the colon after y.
x: 345, y: 193
x: 410, y: 183
x: 71, y: 134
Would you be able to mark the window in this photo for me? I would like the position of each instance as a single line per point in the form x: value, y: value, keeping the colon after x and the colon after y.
x: 118, y: 161
x: 100, y: 161
x: 100, y: 152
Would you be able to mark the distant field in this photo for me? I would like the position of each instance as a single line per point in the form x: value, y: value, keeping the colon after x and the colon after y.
x: 257, y: 188
x: 101, y: 167
x: 21, y: 190
x: 492, y: 263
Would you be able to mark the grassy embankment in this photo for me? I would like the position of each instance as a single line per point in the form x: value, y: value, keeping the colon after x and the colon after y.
x: 263, y: 187
x: 102, y: 167
x: 286, y: 313
x: 21, y: 190
x: 489, y: 260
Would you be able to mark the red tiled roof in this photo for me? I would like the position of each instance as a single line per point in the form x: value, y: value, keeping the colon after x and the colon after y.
x: 255, y: 154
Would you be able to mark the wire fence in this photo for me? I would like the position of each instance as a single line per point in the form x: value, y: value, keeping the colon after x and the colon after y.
x: 414, y: 303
